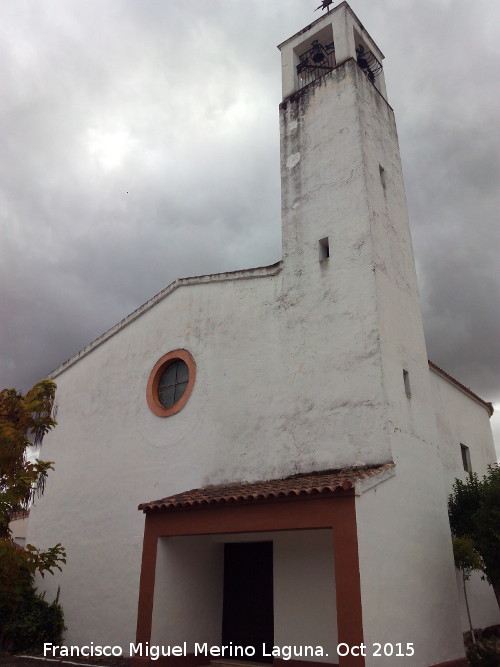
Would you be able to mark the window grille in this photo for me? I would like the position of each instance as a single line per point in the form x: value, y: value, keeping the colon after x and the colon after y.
x: 315, y: 62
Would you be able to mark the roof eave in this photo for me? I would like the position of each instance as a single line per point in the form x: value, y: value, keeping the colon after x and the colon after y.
x: 446, y: 376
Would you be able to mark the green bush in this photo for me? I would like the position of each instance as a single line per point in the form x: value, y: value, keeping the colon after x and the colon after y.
x: 34, y: 622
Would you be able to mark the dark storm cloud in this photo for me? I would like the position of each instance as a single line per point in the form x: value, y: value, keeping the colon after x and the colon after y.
x: 450, y: 143
x: 139, y: 143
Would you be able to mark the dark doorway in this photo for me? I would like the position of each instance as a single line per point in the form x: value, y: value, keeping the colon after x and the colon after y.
x: 247, y: 618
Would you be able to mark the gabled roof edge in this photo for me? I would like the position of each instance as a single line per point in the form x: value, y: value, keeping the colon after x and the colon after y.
x: 439, y: 371
x: 243, y: 274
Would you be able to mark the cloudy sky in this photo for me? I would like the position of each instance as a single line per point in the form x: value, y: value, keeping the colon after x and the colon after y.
x: 139, y: 143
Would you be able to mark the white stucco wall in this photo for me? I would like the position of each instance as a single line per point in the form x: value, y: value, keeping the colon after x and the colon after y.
x: 462, y: 420
x: 332, y: 316
x: 304, y: 592
x: 483, y: 605
x: 112, y: 452
x: 404, y: 536
x: 188, y: 592
x: 408, y: 587
x: 19, y: 529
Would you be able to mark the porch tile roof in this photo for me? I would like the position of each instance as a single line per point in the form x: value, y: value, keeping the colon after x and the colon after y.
x: 317, y: 483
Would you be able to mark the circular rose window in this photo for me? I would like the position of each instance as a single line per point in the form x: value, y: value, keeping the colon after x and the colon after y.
x: 170, y: 383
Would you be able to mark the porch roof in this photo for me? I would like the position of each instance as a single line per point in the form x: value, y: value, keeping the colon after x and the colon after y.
x: 316, y: 483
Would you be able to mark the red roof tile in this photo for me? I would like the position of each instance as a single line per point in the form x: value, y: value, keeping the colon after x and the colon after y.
x: 325, y: 482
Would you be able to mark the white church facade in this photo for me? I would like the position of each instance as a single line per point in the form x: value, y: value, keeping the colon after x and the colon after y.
x: 300, y: 444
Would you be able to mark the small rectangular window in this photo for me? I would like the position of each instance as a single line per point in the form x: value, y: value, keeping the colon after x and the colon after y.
x: 382, y: 175
x: 466, y: 458
x: 324, y: 249
x: 406, y: 380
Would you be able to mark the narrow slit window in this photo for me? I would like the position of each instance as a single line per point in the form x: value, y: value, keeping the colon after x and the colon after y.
x: 382, y: 175
x: 324, y: 249
x: 406, y: 380
x: 466, y: 458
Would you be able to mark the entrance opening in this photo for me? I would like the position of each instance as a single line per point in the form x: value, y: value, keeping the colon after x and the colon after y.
x: 248, y: 616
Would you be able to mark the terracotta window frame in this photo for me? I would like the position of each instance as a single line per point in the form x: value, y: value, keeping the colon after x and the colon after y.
x: 154, y: 379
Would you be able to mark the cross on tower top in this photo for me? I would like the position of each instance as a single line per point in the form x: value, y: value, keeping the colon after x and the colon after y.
x: 325, y: 5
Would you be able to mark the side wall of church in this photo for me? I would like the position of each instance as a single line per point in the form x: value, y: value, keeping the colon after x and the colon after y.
x: 463, y: 421
x: 406, y: 558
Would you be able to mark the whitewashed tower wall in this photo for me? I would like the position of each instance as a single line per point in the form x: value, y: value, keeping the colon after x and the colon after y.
x: 342, y: 181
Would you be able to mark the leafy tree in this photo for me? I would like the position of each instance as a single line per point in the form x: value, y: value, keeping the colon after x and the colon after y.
x: 474, y: 511
x: 467, y: 560
x: 24, y: 420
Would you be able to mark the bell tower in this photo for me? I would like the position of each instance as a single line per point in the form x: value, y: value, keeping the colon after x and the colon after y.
x: 328, y: 42
x: 353, y: 326
x: 347, y: 255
